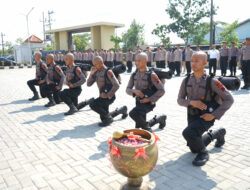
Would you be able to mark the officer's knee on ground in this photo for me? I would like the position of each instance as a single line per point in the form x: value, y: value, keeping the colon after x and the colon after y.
x: 133, y: 114
x: 186, y: 133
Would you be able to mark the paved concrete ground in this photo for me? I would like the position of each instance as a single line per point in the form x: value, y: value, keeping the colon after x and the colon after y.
x: 42, y: 149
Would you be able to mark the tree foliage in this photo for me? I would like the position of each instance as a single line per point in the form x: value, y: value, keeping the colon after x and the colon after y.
x: 187, y: 17
x: 199, y: 34
x: 116, y: 40
x: 134, y: 36
x: 227, y: 34
x: 19, y: 41
x: 162, y: 34
x: 81, y: 41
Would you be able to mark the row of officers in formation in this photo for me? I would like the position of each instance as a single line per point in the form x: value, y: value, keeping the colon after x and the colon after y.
x: 178, y: 58
x: 205, y: 98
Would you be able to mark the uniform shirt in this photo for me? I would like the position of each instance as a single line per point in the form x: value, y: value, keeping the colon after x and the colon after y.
x: 129, y: 56
x: 136, y: 53
x: 224, y: 52
x: 99, y: 78
x: 70, y: 74
x: 55, y: 73
x: 188, y: 54
x: 91, y: 56
x: 118, y: 56
x: 55, y: 57
x: 61, y: 57
x: 213, y: 54
x: 196, y: 88
x: 171, y: 56
x: 39, y: 72
x: 245, y: 53
x: 150, y: 56
x: 140, y: 81
x: 178, y: 55
x: 157, y: 55
x: 162, y: 55
x: 233, y: 52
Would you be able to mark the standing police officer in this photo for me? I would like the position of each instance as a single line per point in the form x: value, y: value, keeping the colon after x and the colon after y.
x: 200, y: 93
x: 233, y: 58
x: 150, y: 56
x: 178, y: 59
x: 54, y: 81
x: 129, y: 59
x: 141, y: 82
x: 74, y: 80
x: 107, y: 85
x: 245, y: 55
x: 224, y: 53
x: 188, y: 55
x: 41, y: 71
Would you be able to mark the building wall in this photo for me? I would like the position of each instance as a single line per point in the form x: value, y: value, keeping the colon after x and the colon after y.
x: 96, y: 37
x: 57, y: 40
x: 243, y: 31
x: 106, y: 33
x: 63, y: 41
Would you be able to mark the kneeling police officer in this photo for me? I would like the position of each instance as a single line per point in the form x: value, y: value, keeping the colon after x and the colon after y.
x: 148, y: 88
x: 206, y: 99
x: 108, y: 85
x: 74, y: 80
x: 54, y: 82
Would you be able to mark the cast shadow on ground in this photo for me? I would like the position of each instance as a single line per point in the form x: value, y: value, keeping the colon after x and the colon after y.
x: 29, y: 109
x: 78, y: 132
x: 17, y: 102
x: 181, y: 174
x: 103, y: 150
x: 240, y: 92
x: 48, y: 118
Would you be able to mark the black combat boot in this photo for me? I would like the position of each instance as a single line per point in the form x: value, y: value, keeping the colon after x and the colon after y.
x: 160, y: 119
x: 35, y: 97
x: 106, y: 122
x: 147, y: 128
x: 84, y: 103
x: 123, y: 110
x: 50, y: 103
x: 201, y: 158
x: 219, y: 135
x: 72, y: 110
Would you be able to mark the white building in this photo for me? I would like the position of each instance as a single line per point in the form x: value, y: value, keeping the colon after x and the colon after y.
x: 22, y: 52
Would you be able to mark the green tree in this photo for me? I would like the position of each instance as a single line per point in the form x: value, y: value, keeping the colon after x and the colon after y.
x: 134, y: 36
x: 199, y: 34
x: 187, y: 16
x: 81, y: 41
x: 48, y: 47
x: 19, y: 41
x: 162, y: 34
x: 117, y: 40
x: 227, y: 34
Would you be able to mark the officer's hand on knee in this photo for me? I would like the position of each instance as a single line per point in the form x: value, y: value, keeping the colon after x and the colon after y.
x: 198, y: 104
x: 207, y: 117
x: 144, y: 101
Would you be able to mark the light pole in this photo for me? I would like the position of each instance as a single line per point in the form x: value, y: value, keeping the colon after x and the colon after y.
x: 211, y: 24
x: 27, y: 20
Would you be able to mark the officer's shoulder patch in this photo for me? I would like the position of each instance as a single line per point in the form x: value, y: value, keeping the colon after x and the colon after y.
x: 58, y: 69
x: 155, y: 77
x: 110, y: 73
x: 78, y: 70
x: 220, y: 86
